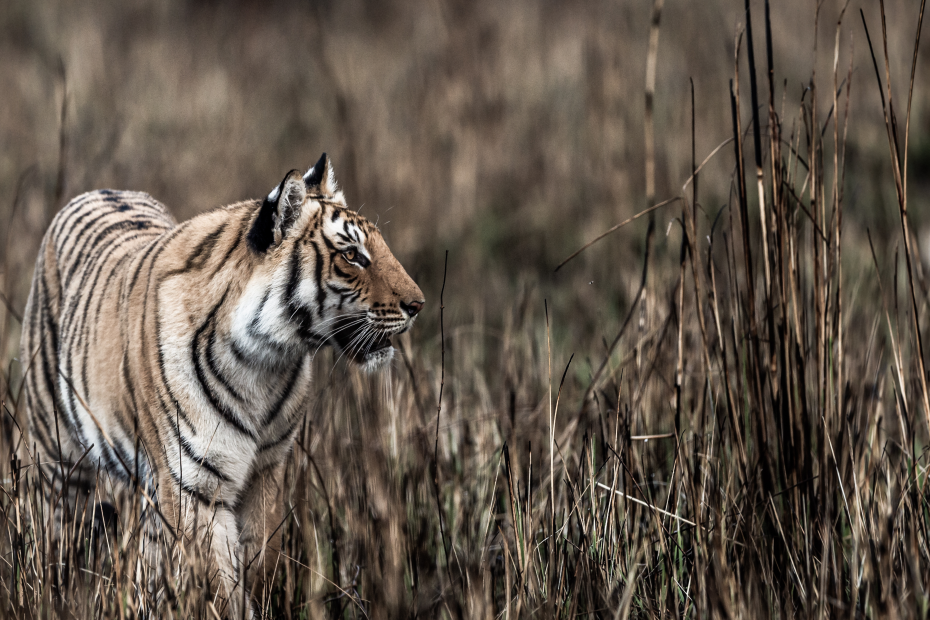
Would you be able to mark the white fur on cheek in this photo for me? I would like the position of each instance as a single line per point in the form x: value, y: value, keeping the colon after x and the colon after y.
x: 260, y: 312
x: 377, y: 360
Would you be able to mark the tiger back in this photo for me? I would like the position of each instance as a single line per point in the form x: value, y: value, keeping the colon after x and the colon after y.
x: 178, y: 356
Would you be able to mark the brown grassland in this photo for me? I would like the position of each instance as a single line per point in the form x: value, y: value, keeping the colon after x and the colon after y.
x: 720, y: 409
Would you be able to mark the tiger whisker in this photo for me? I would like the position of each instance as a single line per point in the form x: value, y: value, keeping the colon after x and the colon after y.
x: 341, y: 329
x: 330, y: 321
x: 355, y: 345
x: 343, y: 351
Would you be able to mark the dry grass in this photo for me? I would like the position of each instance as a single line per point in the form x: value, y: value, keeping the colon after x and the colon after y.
x: 703, y: 417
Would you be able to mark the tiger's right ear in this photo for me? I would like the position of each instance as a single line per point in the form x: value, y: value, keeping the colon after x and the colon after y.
x: 278, y: 213
x: 321, y: 179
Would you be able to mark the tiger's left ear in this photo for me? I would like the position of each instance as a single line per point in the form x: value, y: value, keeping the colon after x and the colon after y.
x: 278, y: 212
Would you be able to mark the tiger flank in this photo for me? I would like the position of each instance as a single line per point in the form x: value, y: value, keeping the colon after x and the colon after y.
x: 178, y: 356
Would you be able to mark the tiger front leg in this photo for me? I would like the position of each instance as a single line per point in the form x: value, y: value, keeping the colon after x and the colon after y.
x: 209, y: 533
x: 261, y: 515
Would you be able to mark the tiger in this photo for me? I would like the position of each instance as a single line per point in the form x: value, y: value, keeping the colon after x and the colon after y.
x: 191, y: 345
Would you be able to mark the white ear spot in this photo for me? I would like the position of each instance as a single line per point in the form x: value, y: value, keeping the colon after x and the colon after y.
x: 309, y: 174
x: 273, y: 196
x: 331, y: 178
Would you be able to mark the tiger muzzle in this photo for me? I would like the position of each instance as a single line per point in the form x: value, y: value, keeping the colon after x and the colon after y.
x: 359, y: 340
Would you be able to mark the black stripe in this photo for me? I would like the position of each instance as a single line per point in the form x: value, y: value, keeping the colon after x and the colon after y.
x: 329, y: 244
x: 211, y: 364
x: 237, y: 353
x: 80, y: 328
x: 198, y: 459
x: 243, y: 224
x: 201, y: 254
x: 339, y: 290
x: 229, y: 252
x: 231, y: 418
x: 253, y: 327
x: 162, y: 244
x: 122, y: 468
x: 64, y: 217
x: 128, y: 383
x: 113, y: 272
x: 157, y: 332
x: 275, y: 410
x: 49, y: 375
x: 52, y: 326
x: 253, y: 323
x: 318, y: 274
x: 71, y: 413
x: 293, y: 279
x: 164, y: 407
x: 274, y: 443
x: 32, y: 406
x: 127, y: 291
x: 344, y: 293
x: 111, y: 463
x: 164, y: 379
x: 119, y: 416
x: 74, y: 256
x: 86, y: 256
x: 39, y: 413
x: 197, y: 494
x: 303, y: 316
x: 353, y: 232
x: 129, y: 388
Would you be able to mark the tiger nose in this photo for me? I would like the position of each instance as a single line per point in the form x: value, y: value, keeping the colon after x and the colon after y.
x: 412, y: 307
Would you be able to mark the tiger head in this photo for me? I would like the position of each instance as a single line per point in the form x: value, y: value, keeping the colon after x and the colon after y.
x: 324, y: 275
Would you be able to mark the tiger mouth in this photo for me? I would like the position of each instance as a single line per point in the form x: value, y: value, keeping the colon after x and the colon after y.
x: 359, y: 341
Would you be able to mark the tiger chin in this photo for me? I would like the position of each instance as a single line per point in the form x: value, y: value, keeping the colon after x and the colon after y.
x: 177, y: 356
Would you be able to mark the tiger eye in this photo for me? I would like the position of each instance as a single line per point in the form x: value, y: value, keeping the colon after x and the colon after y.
x: 349, y: 255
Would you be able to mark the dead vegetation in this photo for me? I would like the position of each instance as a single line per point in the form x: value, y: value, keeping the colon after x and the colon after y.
x: 719, y: 410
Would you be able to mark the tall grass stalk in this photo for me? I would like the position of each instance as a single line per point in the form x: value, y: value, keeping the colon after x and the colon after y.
x: 753, y: 447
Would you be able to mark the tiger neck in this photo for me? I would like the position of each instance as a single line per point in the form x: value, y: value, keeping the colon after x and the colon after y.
x: 261, y: 334
x: 253, y: 319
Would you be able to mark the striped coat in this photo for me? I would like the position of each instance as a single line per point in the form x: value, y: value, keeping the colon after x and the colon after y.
x: 178, y: 355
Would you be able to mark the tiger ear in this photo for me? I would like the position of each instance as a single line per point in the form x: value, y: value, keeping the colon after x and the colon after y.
x: 320, y: 179
x: 278, y: 212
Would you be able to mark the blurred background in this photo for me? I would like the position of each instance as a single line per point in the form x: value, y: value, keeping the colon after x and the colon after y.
x: 508, y: 133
